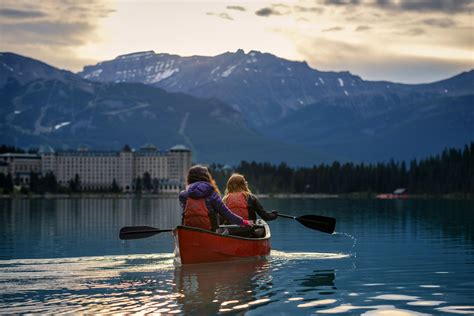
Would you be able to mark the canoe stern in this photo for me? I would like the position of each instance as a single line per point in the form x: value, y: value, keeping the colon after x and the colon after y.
x: 195, y: 245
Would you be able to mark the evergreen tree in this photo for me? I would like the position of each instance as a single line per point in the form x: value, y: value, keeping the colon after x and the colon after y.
x: 115, y: 188
x: 8, y: 187
x: 10, y: 149
x: 50, y: 183
x: 77, y: 183
x: 17, y: 180
x: 34, y: 182
x: 138, y: 185
x: 156, y: 185
x: 147, y: 185
x: 71, y: 186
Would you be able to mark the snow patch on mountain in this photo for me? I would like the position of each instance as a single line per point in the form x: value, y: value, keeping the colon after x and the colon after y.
x: 94, y: 74
x: 58, y: 126
x: 215, y: 69
x: 341, y: 82
x: 149, y: 68
x: 136, y: 56
x: 162, y: 75
x: 6, y: 66
x: 228, y: 71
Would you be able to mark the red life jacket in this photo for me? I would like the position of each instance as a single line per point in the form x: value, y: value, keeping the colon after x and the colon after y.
x: 196, y: 214
x: 237, y: 203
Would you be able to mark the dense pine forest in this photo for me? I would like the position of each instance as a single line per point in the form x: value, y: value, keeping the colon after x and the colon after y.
x: 450, y: 172
x: 12, y: 149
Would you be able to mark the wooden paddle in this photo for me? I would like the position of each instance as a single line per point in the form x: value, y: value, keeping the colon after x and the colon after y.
x: 322, y: 223
x: 136, y: 232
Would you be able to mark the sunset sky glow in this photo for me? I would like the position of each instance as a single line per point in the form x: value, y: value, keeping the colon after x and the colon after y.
x: 407, y: 41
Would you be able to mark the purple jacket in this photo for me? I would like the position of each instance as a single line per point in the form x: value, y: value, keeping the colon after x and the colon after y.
x: 204, y: 190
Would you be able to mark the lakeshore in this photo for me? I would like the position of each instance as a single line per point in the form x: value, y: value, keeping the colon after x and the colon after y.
x: 316, y: 196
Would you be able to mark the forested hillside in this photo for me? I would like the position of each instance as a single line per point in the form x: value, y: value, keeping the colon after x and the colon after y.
x: 450, y: 172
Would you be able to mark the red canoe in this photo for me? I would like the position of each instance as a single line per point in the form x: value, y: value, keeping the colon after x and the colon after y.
x: 195, y: 245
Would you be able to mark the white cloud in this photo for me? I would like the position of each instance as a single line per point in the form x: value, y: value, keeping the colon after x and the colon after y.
x: 50, y: 30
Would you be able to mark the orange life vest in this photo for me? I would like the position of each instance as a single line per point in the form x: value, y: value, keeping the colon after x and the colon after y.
x: 196, y: 214
x: 237, y: 203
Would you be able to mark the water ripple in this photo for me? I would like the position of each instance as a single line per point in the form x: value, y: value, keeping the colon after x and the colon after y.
x: 282, y: 255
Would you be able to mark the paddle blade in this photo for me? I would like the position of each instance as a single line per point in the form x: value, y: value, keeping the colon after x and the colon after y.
x: 322, y: 223
x: 137, y: 232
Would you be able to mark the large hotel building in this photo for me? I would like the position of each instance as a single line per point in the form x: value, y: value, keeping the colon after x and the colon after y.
x: 98, y: 169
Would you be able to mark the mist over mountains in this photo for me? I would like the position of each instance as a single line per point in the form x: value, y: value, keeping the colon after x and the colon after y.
x: 234, y: 106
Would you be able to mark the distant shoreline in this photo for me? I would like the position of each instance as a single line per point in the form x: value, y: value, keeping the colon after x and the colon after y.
x: 355, y: 195
x: 297, y: 196
x: 365, y: 195
x: 86, y: 195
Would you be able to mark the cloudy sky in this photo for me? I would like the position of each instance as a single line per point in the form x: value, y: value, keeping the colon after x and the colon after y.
x: 398, y: 40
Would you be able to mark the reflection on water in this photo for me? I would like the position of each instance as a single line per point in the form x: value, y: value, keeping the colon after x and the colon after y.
x: 217, y: 288
x: 147, y: 283
x: 281, y: 255
x: 413, y: 258
x: 153, y: 284
x: 92, y: 284
x: 72, y: 227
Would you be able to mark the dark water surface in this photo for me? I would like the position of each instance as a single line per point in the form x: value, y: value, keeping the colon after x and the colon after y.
x: 413, y: 257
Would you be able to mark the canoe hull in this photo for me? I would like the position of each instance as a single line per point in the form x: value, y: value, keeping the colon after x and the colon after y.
x: 195, y: 245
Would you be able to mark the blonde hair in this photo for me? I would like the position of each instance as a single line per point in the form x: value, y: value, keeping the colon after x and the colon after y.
x: 236, y: 183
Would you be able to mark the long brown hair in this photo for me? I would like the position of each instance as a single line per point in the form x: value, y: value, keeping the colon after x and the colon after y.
x: 236, y: 183
x: 200, y: 173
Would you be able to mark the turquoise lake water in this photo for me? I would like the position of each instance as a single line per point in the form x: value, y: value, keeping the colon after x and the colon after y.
x: 411, y: 257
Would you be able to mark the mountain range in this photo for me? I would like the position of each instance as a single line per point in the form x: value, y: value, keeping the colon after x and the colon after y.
x: 66, y: 111
x: 234, y: 106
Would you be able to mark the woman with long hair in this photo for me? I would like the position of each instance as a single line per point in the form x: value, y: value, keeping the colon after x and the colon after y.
x: 201, y: 202
x: 240, y: 200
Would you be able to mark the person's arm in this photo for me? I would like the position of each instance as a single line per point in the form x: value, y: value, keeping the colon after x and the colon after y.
x: 258, y: 208
x: 222, y: 209
x: 183, y: 197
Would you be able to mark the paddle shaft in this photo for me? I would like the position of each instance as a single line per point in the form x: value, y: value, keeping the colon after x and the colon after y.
x: 156, y: 231
x: 136, y: 232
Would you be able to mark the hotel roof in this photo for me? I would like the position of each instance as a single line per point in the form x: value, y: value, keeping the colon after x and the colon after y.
x: 179, y: 148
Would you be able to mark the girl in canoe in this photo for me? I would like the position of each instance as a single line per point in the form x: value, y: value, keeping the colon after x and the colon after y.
x: 240, y: 200
x: 201, y: 202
